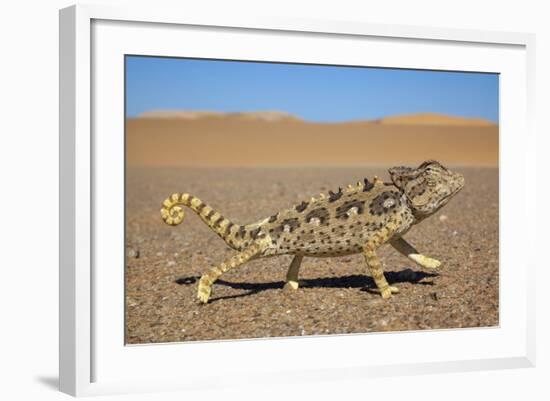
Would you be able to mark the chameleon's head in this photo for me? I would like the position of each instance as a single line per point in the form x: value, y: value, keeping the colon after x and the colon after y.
x: 427, y: 187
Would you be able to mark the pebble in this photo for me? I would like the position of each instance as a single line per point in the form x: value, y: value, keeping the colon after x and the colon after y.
x: 133, y: 253
x: 443, y: 217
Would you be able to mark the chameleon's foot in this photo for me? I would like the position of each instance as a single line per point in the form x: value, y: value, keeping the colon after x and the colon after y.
x: 387, y: 292
x: 292, y: 285
x: 205, y: 288
x: 425, y: 261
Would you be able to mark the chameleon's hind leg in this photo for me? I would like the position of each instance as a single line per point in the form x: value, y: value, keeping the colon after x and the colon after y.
x: 206, y: 281
x: 374, y: 264
x: 292, y: 274
x: 410, y: 252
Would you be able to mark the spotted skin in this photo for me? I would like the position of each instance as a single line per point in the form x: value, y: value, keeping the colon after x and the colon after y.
x: 359, y: 219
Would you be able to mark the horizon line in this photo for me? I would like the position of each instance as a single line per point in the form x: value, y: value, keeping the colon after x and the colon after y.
x: 201, y: 113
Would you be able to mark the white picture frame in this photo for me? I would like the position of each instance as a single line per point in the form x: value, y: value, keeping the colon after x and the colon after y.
x: 91, y: 362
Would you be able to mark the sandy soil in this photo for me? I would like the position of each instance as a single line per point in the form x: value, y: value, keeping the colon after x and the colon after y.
x: 163, y: 262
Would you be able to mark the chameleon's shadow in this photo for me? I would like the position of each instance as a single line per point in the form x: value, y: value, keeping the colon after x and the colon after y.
x: 366, y: 283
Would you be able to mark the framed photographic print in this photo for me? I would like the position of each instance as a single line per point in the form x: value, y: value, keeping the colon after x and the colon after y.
x: 296, y: 200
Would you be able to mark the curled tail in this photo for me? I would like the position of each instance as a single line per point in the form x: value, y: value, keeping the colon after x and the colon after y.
x: 172, y: 213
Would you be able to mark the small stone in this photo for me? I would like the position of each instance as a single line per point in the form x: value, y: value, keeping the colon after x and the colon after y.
x: 433, y: 295
x: 133, y: 253
x: 171, y: 263
x: 443, y: 217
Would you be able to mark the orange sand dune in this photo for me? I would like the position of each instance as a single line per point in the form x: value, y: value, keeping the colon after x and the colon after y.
x: 435, y: 119
x: 279, y: 139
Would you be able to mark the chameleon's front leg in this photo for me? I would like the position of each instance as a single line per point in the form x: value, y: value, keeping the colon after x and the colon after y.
x: 374, y: 264
x: 292, y: 274
x: 206, y: 281
x: 410, y: 252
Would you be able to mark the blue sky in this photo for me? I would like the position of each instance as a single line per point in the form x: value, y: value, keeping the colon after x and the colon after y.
x: 312, y: 92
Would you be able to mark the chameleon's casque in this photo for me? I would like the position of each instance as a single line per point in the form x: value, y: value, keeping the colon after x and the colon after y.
x: 358, y: 219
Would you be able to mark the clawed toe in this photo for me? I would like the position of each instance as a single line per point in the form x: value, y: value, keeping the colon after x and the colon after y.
x: 432, y: 263
x: 203, y: 296
x: 387, y: 292
x: 425, y: 261
x: 292, y: 285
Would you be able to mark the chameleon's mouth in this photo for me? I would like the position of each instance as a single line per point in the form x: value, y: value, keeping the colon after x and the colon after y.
x: 460, y: 183
x: 456, y: 189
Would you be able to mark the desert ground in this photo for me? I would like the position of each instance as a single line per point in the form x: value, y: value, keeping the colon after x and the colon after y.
x: 163, y: 263
x: 250, y: 165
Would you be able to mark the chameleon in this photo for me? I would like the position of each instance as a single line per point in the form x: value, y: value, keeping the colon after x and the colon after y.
x: 358, y: 219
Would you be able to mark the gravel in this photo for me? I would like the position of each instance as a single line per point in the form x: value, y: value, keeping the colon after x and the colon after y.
x: 335, y: 296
